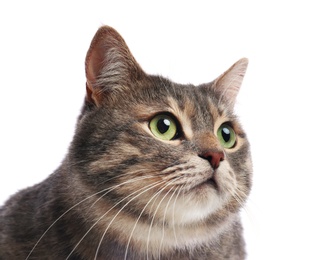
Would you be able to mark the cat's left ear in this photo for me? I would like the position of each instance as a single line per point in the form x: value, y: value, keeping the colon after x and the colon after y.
x: 227, y: 85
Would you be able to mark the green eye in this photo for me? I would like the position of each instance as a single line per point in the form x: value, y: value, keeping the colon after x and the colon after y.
x: 163, y: 127
x: 227, y: 136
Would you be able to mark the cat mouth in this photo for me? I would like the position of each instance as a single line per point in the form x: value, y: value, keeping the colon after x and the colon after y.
x: 212, y: 182
x: 208, y: 183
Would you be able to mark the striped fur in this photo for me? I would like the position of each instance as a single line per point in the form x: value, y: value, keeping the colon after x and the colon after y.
x: 123, y: 193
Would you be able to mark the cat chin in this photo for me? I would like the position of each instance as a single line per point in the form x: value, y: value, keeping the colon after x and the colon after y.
x: 203, y: 200
x: 193, y: 209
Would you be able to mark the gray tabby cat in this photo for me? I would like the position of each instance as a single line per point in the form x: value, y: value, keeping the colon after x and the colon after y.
x: 156, y: 170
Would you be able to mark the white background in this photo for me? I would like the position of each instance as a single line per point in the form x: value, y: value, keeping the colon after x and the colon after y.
x: 42, y: 86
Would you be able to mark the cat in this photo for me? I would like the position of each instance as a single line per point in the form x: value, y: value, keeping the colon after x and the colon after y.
x: 155, y: 170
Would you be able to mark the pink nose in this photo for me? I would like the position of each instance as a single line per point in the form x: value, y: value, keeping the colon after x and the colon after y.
x: 214, y: 157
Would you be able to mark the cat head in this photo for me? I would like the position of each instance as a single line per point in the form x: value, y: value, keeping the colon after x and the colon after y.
x: 157, y: 149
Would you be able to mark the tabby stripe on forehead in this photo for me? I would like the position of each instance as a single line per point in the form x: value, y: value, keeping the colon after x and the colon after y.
x: 184, y: 115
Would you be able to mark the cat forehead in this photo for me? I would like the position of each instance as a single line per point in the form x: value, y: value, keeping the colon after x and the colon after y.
x: 194, y: 110
x: 195, y: 115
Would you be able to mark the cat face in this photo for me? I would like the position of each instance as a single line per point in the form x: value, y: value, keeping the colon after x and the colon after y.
x: 156, y: 150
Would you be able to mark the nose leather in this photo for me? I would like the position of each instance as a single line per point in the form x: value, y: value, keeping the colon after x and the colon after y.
x: 214, y: 157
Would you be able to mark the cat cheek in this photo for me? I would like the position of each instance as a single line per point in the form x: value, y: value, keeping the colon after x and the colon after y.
x: 226, y: 179
x: 233, y: 188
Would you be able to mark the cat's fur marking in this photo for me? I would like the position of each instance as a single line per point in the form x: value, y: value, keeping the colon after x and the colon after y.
x: 122, y: 192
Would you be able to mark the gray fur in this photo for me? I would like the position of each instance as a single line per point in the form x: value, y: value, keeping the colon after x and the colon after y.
x: 102, y: 201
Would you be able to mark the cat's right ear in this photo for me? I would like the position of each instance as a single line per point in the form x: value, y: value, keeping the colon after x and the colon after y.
x: 110, y: 66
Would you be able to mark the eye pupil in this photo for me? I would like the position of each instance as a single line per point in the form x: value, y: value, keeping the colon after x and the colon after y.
x: 163, y: 125
x: 226, y: 134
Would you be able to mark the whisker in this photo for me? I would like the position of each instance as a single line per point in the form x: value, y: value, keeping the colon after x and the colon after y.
x: 108, y: 190
x: 147, y: 188
x: 155, y: 195
x: 67, y: 211
x: 151, y: 209
x: 153, y: 217
x: 71, y: 208
x: 235, y: 194
x: 173, y: 219
x: 164, y: 218
x: 243, y: 205
x: 121, y: 184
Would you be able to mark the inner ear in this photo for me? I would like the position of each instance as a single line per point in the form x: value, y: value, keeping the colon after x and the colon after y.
x: 227, y: 85
x: 94, y: 60
x: 110, y: 66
